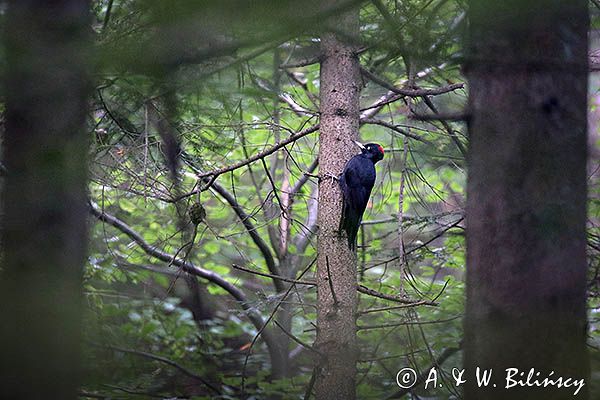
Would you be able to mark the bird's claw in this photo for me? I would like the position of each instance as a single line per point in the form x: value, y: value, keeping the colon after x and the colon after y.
x: 333, y: 177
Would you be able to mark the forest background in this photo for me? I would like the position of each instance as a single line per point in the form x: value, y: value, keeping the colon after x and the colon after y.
x: 189, y: 136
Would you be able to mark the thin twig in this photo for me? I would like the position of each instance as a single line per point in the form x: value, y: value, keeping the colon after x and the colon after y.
x: 261, y: 154
x: 391, y: 308
x: 107, y: 15
x: 374, y: 121
x: 417, y: 92
x: 165, y: 360
x: 269, y: 319
x: 281, y: 278
x: 405, y: 323
x: 301, y: 63
x: 329, y: 280
x: 187, y: 266
x: 273, y: 186
x: 296, y: 339
x: 311, y: 383
x: 245, y: 219
x: 365, y: 290
x: 304, y: 178
x: 451, y: 117
x: 401, y: 250
x: 447, y: 127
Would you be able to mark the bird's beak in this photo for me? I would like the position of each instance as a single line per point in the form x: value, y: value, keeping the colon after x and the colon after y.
x: 359, y: 144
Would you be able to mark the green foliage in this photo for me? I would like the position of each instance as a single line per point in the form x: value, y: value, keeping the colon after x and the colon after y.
x: 228, y: 108
x: 226, y: 103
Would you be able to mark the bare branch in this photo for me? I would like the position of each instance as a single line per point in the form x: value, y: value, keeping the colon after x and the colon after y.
x: 299, y: 282
x: 373, y: 121
x: 303, y: 84
x: 107, y: 15
x: 301, y: 63
x: 303, y: 238
x: 283, y: 97
x: 373, y: 109
x: 415, y: 92
x: 296, y: 108
x: 406, y: 323
x: 304, y: 178
x: 379, y: 221
x: 188, y: 267
x: 330, y: 281
x: 269, y: 319
x: 402, y: 255
x: 296, y: 339
x: 165, y: 360
x: 365, y: 290
x: 366, y: 117
x: 245, y: 219
x: 447, y: 127
x: 426, y: 243
x: 254, y: 235
x: 391, y: 308
x: 161, y: 255
x: 262, y: 154
x: 391, y: 97
x: 451, y: 117
x: 286, y: 215
x: 270, y: 228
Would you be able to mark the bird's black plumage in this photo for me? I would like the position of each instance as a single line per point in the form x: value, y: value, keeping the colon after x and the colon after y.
x: 356, y: 182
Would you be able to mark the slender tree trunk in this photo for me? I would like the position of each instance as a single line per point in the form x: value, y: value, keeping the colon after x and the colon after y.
x: 526, y: 211
x: 44, y: 211
x: 281, y: 243
x: 337, y: 298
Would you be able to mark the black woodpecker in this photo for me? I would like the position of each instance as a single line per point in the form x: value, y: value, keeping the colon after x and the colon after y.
x: 356, y: 182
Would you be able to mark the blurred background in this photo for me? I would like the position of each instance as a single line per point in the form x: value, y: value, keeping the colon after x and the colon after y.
x: 175, y: 91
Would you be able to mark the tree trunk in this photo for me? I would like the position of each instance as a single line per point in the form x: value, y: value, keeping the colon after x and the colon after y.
x: 44, y: 233
x: 336, y: 280
x: 526, y: 203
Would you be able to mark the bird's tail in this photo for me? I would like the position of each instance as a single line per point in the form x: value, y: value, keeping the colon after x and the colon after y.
x: 349, y: 224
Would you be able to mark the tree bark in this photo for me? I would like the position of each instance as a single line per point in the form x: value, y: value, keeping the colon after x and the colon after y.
x: 526, y: 202
x: 336, y: 263
x: 44, y: 233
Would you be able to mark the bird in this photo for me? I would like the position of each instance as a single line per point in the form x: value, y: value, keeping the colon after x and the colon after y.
x: 356, y: 182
